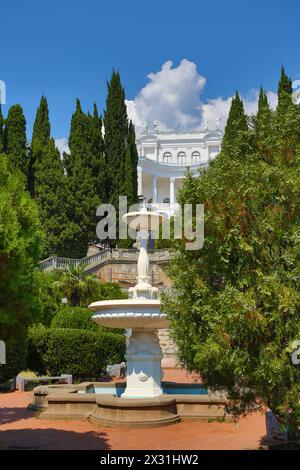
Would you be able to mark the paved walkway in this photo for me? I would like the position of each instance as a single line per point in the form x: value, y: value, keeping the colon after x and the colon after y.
x: 20, y: 429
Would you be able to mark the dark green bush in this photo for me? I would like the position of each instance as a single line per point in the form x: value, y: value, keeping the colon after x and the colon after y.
x: 74, y: 317
x: 110, y: 291
x: 82, y: 353
x: 38, y: 338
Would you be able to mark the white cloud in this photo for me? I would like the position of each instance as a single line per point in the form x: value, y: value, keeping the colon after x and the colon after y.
x: 173, y: 97
x: 62, y: 145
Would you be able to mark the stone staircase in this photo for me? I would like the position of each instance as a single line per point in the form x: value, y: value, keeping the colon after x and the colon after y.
x: 93, y: 262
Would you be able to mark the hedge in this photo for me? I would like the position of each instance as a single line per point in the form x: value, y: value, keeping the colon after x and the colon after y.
x: 74, y: 317
x: 82, y: 353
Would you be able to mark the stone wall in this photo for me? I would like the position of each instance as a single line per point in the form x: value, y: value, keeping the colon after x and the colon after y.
x: 168, y: 348
x: 125, y: 273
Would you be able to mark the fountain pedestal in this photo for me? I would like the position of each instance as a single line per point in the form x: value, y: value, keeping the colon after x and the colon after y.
x: 143, y: 357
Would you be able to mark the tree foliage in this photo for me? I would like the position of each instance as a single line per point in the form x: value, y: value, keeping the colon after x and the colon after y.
x: 235, y: 315
x: 20, y: 250
x: 120, y: 150
x: 14, y: 139
x: 80, y: 288
x: 85, y: 172
x: 39, y: 142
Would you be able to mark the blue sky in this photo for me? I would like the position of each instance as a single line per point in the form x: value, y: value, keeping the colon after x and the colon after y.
x: 68, y: 48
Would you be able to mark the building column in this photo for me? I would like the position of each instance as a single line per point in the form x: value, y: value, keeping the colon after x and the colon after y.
x: 172, y: 190
x: 140, y: 180
x: 172, y: 195
x: 154, y: 189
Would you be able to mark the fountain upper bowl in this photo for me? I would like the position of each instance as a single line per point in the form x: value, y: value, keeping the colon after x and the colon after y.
x: 143, y: 220
x: 130, y: 313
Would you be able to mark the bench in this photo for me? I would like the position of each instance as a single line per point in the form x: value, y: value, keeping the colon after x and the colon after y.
x: 21, y: 381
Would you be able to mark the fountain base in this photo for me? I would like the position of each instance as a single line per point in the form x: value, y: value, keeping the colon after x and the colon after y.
x: 100, y: 403
x: 113, y: 411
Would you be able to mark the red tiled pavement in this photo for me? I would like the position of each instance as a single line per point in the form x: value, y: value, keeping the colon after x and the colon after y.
x: 20, y: 429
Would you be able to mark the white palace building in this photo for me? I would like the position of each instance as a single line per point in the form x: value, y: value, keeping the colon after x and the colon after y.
x: 164, y: 157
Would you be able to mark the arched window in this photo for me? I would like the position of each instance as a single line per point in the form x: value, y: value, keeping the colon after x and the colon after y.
x: 195, y: 157
x: 167, y: 157
x: 166, y: 200
x: 181, y: 158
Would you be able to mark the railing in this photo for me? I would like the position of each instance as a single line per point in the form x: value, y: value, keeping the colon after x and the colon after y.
x: 57, y: 262
x: 182, y: 162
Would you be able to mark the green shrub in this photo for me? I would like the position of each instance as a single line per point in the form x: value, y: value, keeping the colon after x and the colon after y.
x: 82, y: 353
x: 38, y: 338
x: 74, y: 317
x: 110, y: 291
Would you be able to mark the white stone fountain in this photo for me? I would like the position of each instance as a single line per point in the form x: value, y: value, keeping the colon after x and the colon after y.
x: 141, y: 314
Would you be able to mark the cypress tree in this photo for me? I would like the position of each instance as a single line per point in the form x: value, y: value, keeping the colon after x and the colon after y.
x: 287, y: 130
x: 15, y: 139
x: 129, y: 188
x: 97, y: 154
x: 39, y: 142
x: 50, y: 194
x: 83, y: 197
x: 262, y: 126
x: 236, y: 123
x: 115, y: 138
x: 284, y: 91
x: 41, y: 128
x: 134, y: 161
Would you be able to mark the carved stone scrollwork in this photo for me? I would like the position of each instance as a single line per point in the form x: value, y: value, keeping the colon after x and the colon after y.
x: 144, y: 343
x: 143, y: 376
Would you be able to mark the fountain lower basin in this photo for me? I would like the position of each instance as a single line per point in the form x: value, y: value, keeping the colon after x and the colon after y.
x: 169, y: 388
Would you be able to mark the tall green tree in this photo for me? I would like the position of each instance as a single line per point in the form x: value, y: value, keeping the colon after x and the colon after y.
x: 236, y: 303
x: 15, y: 139
x: 287, y: 119
x: 97, y: 153
x: 131, y: 144
x: 120, y: 149
x: 83, y: 184
x: 39, y: 142
x: 284, y: 91
x: 20, y: 249
x: 50, y: 195
x: 262, y: 126
x: 115, y: 138
x: 236, y: 126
